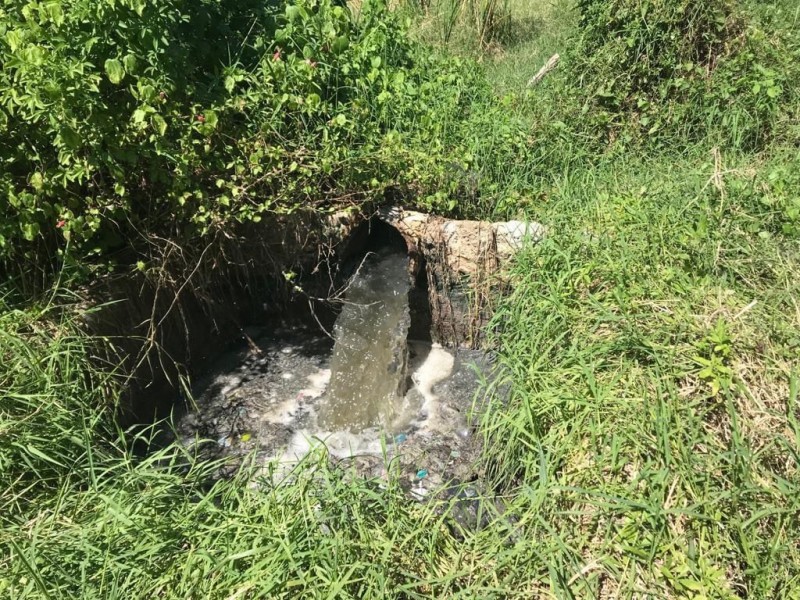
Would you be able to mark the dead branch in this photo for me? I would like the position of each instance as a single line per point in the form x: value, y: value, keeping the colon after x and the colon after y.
x: 548, y: 66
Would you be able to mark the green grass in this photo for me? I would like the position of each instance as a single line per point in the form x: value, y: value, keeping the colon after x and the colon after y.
x: 539, y: 30
x: 635, y: 468
x: 649, y: 448
x: 527, y: 33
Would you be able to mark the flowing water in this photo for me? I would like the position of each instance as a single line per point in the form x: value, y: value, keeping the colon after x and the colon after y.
x: 368, y: 367
x: 371, y: 397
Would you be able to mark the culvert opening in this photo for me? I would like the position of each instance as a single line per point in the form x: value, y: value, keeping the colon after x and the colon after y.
x: 374, y: 235
x: 377, y: 236
x: 381, y: 392
x: 420, y: 304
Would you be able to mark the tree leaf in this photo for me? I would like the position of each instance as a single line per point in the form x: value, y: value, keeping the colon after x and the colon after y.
x: 114, y: 70
x: 340, y: 44
x: 130, y: 63
x: 37, y: 182
x: 160, y: 124
x: 55, y: 12
x: 30, y: 230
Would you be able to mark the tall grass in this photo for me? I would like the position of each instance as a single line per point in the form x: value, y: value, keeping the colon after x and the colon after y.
x: 474, y: 24
x: 54, y: 402
x: 651, y: 473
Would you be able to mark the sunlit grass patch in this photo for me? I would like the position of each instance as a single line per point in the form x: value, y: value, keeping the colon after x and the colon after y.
x: 648, y: 446
x: 650, y: 395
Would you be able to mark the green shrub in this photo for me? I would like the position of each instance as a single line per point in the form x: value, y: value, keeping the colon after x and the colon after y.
x: 653, y: 69
x: 173, y: 118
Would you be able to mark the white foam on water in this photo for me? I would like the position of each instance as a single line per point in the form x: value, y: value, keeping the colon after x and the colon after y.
x: 319, y: 382
x: 282, y: 417
x: 432, y: 365
x: 288, y: 411
x: 437, y: 366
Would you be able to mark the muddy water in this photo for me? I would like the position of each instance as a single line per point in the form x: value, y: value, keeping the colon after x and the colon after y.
x: 368, y: 367
x: 270, y: 401
x: 374, y: 401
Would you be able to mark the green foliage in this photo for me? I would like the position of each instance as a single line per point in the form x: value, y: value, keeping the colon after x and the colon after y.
x: 770, y: 195
x: 778, y: 195
x: 607, y: 444
x: 473, y: 27
x: 88, y: 90
x: 666, y: 278
x: 654, y: 69
x: 82, y: 516
x: 55, y: 406
x: 476, y: 24
x: 714, y: 357
x: 650, y: 355
x: 162, y: 117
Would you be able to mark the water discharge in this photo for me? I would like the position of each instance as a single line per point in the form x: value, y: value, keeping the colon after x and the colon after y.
x: 372, y: 398
x: 370, y: 354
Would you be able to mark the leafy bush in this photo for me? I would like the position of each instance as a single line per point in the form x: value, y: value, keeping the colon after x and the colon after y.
x: 174, y: 118
x: 655, y: 68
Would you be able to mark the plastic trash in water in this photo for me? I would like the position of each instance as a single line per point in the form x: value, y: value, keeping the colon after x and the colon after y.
x: 400, y: 438
x: 418, y: 490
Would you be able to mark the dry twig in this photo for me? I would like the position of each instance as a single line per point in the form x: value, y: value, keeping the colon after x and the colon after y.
x: 548, y: 66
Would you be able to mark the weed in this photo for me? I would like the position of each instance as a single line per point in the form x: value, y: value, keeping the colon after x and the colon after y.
x: 714, y: 355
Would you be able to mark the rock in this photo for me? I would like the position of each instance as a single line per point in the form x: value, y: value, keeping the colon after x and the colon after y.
x: 510, y: 237
x: 465, y: 263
